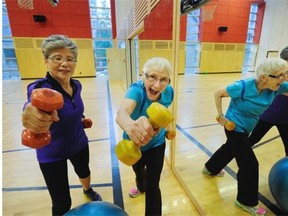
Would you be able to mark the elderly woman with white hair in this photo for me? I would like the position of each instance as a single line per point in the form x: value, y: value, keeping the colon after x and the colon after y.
x: 249, y: 99
x: 132, y: 118
x: 275, y: 115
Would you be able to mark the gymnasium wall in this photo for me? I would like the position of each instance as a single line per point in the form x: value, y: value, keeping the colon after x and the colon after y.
x: 156, y: 39
x: 223, y: 51
x: 69, y: 17
x: 274, y: 34
x: 220, y: 51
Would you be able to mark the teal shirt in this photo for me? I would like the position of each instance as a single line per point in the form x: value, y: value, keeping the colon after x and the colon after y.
x: 137, y: 92
x: 247, y: 104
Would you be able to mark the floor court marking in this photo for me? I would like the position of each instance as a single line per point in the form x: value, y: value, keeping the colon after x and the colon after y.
x: 116, y: 179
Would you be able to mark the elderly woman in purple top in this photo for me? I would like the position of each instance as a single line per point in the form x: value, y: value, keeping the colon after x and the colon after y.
x: 69, y: 141
x: 275, y: 115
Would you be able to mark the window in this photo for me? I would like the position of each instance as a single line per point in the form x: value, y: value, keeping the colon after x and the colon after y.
x: 192, y: 42
x: 250, y: 48
x: 9, y: 61
x: 101, y: 32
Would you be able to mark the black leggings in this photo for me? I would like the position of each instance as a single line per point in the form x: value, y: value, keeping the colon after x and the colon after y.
x: 263, y: 127
x: 56, y: 178
x: 148, y: 171
x: 237, y: 146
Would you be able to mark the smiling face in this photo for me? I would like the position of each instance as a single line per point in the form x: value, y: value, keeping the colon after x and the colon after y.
x: 155, y: 82
x: 61, y: 64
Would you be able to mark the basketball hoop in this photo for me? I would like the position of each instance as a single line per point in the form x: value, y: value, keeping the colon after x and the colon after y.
x: 54, y: 3
x: 208, y: 10
x: 26, y: 4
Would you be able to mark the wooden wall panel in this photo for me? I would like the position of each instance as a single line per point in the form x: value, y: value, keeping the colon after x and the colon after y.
x: 221, y: 57
x: 148, y: 49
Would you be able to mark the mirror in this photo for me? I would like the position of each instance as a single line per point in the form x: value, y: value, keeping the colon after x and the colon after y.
x: 198, y: 133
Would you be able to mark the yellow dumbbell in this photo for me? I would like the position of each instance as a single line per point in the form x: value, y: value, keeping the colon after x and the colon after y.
x: 222, y: 120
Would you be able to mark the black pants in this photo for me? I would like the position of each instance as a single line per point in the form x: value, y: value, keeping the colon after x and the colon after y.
x: 56, y: 178
x: 238, y: 146
x: 148, y: 171
x: 263, y: 127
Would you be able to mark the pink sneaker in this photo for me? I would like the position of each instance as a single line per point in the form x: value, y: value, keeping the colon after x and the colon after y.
x: 253, y: 210
x: 134, y: 192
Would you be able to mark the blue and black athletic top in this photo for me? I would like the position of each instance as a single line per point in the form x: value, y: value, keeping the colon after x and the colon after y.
x: 68, y: 135
x: 137, y: 92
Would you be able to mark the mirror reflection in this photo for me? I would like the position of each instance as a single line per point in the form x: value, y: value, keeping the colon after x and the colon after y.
x: 222, y: 45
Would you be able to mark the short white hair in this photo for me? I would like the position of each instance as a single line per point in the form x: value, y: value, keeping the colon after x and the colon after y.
x: 271, y: 66
x: 158, y: 64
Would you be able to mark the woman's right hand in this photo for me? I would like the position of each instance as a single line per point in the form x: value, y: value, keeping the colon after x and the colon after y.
x: 141, y: 131
x: 37, y: 120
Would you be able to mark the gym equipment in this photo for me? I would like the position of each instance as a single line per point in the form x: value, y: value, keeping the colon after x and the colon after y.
x: 46, y: 100
x: 26, y: 4
x: 170, y: 134
x: 222, y: 120
x: 99, y: 208
x: 278, y: 183
x: 54, y: 3
x: 128, y: 152
x: 159, y: 117
x: 190, y: 5
x: 87, y: 123
x: 207, y: 11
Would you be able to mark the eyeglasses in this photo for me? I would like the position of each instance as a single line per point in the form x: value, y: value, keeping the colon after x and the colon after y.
x: 153, y: 78
x: 60, y: 60
x: 281, y: 76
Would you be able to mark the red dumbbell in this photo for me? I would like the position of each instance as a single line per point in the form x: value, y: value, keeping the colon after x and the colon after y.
x: 46, y: 100
x: 87, y: 123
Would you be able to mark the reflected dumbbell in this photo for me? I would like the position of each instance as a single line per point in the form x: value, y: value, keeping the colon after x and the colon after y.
x: 222, y: 120
x: 170, y: 134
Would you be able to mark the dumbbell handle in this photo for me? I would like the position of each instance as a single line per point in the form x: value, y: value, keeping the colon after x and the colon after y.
x: 170, y: 134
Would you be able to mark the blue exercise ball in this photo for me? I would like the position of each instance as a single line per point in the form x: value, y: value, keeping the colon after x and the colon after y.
x: 278, y: 183
x: 97, y: 208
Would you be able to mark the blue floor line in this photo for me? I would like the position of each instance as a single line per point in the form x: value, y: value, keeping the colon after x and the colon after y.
x: 116, y: 180
x: 265, y: 142
x: 262, y: 198
x: 40, y: 188
x: 200, y: 126
x: 26, y: 149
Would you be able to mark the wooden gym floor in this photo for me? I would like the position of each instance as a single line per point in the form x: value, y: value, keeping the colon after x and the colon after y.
x: 198, y: 136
